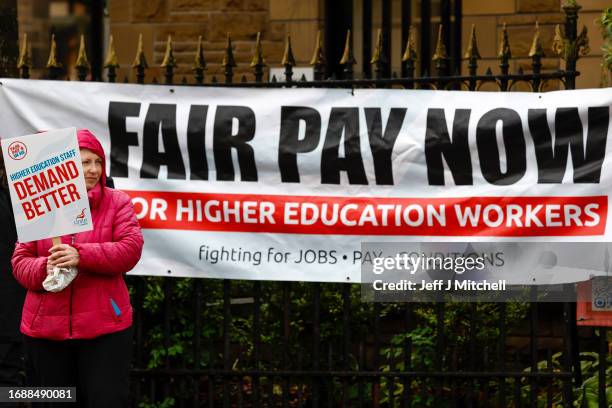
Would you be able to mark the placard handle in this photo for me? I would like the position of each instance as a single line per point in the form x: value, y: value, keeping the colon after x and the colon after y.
x: 56, y: 240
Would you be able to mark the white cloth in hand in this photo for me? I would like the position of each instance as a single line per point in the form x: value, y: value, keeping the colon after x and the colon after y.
x: 59, y: 279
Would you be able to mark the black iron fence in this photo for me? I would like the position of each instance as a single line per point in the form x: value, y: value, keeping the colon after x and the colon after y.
x: 291, y: 344
x: 251, y: 344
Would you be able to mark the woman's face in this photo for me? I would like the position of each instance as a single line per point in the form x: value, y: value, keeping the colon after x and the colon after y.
x: 92, y: 168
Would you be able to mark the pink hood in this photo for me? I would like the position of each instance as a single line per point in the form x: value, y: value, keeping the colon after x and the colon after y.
x: 88, y: 140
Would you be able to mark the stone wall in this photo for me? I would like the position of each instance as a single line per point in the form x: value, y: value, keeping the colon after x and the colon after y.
x: 185, y: 20
x: 33, y: 19
x: 520, y: 17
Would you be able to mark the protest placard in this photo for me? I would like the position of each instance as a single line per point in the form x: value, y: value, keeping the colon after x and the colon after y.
x: 46, y: 184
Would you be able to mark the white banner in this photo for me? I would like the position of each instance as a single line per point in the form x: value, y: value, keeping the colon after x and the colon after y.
x: 46, y: 184
x: 286, y: 184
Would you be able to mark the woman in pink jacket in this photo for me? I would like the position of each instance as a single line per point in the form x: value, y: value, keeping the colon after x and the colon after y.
x: 81, y: 336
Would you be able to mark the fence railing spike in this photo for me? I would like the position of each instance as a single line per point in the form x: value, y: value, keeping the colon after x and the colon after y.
x: 288, y: 60
x: 440, y: 57
x: 472, y: 55
x: 318, y: 58
x: 140, y: 61
x: 348, y: 59
x: 347, y: 53
x: 472, y: 51
x: 228, y: 60
x: 82, y: 61
x: 558, y: 44
x: 53, y: 65
x: 378, y: 57
x: 504, y: 56
x: 199, y: 62
x: 258, y: 58
x: 82, y: 64
x: 440, y: 53
x: 536, y: 53
x: 410, y: 53
x: 504, y: 45
x: 258, y: 63
x: 24, y: 63
x: 52, y: 61
x: 169, y: 62
x: 536, y: 44
x: 377, y: 54
x: 24, y: 53
x: 110, y: 62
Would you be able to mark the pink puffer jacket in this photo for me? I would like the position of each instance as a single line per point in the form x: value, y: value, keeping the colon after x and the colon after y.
x: 97, y: 300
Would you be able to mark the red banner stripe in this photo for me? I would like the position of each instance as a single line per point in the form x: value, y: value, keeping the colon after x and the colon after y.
x: 456, y: 216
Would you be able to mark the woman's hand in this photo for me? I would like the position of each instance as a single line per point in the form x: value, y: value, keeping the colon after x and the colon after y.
x: 63, y: 256
x: 49, y: 268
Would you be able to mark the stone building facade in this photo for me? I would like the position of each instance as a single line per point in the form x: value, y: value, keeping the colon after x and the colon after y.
x: 186, y: 20
x: 520, y: 17
x: 33, y: 20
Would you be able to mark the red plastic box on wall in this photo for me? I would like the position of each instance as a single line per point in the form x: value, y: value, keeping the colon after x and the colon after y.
x: 587, y: 312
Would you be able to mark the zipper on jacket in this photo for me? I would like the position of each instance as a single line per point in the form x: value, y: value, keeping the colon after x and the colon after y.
x: 71, y: 292
x: 70, y: 319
